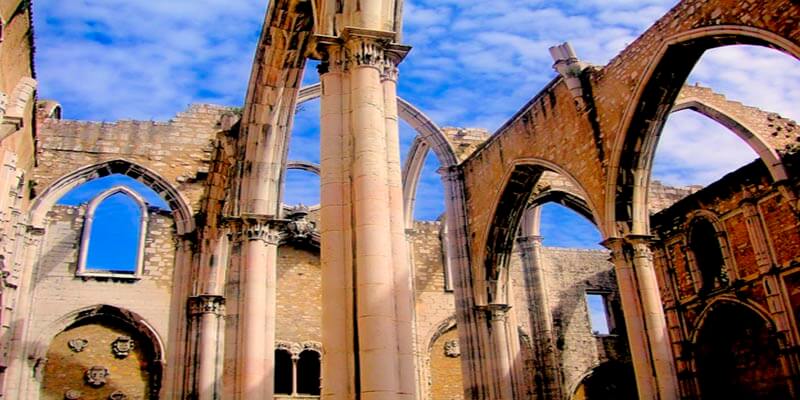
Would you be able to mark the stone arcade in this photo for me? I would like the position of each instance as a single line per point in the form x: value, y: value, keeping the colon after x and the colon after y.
x: 235, y: 295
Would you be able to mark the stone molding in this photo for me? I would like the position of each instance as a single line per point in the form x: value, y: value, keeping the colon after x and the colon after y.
x: 207, y: 304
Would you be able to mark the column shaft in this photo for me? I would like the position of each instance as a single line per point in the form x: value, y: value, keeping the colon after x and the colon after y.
x: 208, y: 309
x: 402, y: 264
x: 656, y: 324
x: 337, y: 366
x: 258, y: 312
x: 541, y: 319
x: 377, y: 331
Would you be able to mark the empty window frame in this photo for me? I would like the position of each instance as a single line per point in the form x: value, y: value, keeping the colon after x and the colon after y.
x: 114, y: 229
x: 599, y: 317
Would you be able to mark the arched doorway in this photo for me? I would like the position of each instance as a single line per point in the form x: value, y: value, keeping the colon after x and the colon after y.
x: 610, y: 380
x: 737, y: 356
x: 101, y: 357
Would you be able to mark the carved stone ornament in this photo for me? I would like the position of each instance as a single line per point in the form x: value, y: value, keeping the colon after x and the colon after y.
x: 300, y: 227
x: 451, y: 348
x: 77, y: 345
x: 122, y: 347
x: 96, y: 376
x: 72, y: 394
x: 117, y: 395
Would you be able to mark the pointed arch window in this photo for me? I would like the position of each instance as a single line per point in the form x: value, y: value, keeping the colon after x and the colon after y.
x: 112, y: 243
x: 704, y: 243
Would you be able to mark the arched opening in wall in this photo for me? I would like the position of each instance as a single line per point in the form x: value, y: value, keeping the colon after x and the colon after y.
x: 561, y: 226
x: 301, y: 182
x: 429, y: 198
x: 445, y: 366
x: 116, y: 213
x: 308, y: 373
x: 97, y: 358
x: 729, y: 72
x: 301, y: 187
x: 737, y: 355
x: 284, y: 370
x: 705, y: 246
x: 609, y: 380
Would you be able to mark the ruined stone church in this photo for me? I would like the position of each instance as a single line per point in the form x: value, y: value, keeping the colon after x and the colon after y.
x: 233, y: 294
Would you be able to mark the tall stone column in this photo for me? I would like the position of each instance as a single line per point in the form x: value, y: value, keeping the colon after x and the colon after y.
x: 402, y: 264
x: 541, y: 319
x: 208, y: 310
x: 502, y: 373
x: 359, y: 230
x: 644, y: 318
x: 259, y: 255
x: 470, y: 320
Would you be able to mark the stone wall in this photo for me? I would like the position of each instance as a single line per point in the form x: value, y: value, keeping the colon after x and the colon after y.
x: 180, y: 150
x: 299, y: 313
x: 67, y: 365
x: 58, y: 292
x: 757, y: 234
x: 571, y: 273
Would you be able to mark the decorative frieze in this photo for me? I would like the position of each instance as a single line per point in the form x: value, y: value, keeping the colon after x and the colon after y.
x: 261, y: 230
x: 77, y: 345
x: 452, y: 349
x: 97, y: 376
x: 207, y: 304
x: 73, y: 394
x: 117, y: 395
x: 122, y: 347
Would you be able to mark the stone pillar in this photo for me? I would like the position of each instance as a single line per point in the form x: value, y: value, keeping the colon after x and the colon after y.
x: 404, y: 293
x: 208, y: 309
x: 541, y: 319
x: 259, y: 253
x: 360, y: 252
x: 502, y: 374
x: 644, y: 318
x: 468, y: 318
x: 338, y: 366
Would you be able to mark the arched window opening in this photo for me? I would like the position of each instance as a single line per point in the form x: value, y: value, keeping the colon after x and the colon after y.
x: 429, y: 199
x: 87, y: 191
x: 308, y: 373
x: 301, y: 187
x: 113, y: 235
x: 563, y: 227
x: 738, y: 356
x: 283, y: 372
x: 304, y: 142
x: 705, y: 246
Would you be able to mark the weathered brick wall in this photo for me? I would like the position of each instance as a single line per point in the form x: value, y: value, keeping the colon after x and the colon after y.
x: 177, y: 150
x: 57, y: 291
x: 445, y: 370
x: 15, y: 48
x: 753, y: 214
x: 571, y: 273
x: 299, y: 309
x: 587, y: 144
x: 65, y: 369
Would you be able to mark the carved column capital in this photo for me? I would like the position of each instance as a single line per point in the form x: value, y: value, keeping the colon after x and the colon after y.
x: 451, y: 173
x: 529, y: 242
x: 260, y: 229
x: 495, y: 312
x: 207, y: 304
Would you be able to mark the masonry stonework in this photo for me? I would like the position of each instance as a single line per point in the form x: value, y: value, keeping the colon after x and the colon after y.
x: 470, y: 306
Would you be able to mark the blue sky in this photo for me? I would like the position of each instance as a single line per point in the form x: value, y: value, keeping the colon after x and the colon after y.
x: 472, y: 64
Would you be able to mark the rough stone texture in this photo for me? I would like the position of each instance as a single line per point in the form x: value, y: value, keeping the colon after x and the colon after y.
x: 299, y: 313
x: 57, y: 291
x: 753, y: 213
x: 65, y: 368
x: 179, y: 150
x: 445, y: 370
x: 571, y: 273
